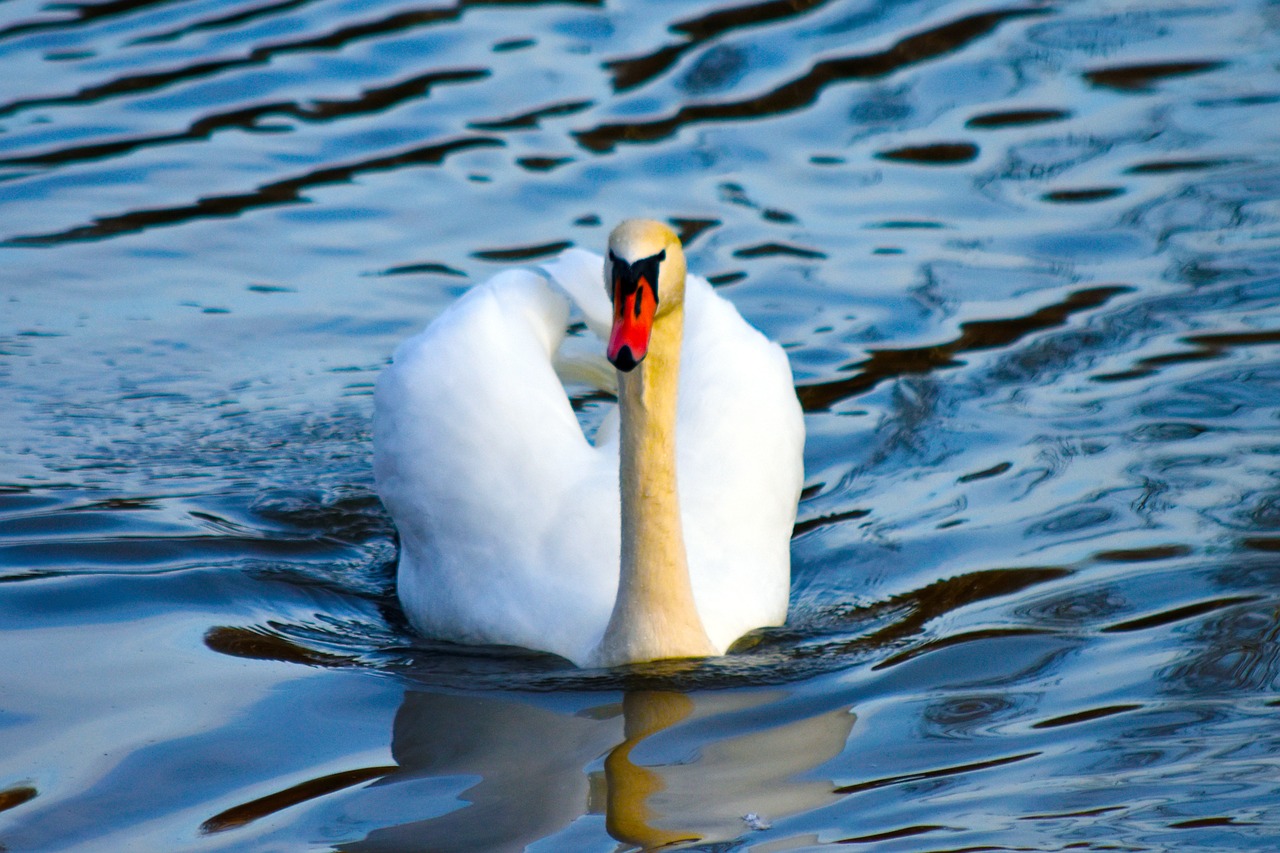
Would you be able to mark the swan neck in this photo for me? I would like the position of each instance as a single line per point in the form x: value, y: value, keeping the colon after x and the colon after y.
x: 655, y: 615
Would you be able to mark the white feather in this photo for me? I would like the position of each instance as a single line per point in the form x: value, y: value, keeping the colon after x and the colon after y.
x: 509, y: 517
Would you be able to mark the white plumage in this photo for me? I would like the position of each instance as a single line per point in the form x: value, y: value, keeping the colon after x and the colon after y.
x: 509, y: 517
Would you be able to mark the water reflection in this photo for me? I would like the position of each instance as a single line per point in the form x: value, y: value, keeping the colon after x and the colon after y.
x: 659, y: 767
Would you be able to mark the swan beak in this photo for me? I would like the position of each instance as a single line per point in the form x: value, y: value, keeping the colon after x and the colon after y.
x: 634, y: 304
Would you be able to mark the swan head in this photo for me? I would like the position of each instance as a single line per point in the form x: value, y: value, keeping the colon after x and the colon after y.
x: 644, y: 276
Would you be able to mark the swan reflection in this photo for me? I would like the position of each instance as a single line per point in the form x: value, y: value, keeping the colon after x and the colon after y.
x: 499, y: 772
x: 662, y: 767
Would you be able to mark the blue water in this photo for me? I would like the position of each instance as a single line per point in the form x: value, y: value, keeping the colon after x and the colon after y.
x: 1025, y: 260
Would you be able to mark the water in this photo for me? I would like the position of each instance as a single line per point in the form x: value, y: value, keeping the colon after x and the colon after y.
x: 1025, y: 259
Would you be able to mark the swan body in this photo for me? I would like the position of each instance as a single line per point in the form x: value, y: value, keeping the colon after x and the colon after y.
x: 666, y: 536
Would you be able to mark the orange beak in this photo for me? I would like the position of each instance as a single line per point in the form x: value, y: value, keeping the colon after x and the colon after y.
x: 634, y: 304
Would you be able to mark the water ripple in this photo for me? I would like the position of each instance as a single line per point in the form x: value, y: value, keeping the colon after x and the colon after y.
x: 804, y: 90
x: 287, y: 191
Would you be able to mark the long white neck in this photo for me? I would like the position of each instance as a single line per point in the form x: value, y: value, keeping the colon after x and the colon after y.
x: 654, y: 615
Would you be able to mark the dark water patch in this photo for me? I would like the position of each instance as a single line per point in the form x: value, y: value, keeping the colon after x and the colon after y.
x: 69, y: 55
x: 974, y: 336
x: 1226, y: 340
x: 1167, y: 167
x: 13, y: 797
x: 936, y: 154
x: 908, y: 224
x: 509, y: 45
x: 1101, y: 810
x: 894, y: 834
x: 258, y: 644
x: 1143, y: 555
x: 247, y: 813
x: 1205, y: 347
x: 804, y: 526
x: 424, y: 268
x: 286, y: 192
x: 735, y: 193
x: 1085, y: 716
x: 918, y: 608
x: 520, y: 254
x: 935, y: 773
x: 771, y: 250
x: 1016, y: 118
x: 532, y: 118
x: 636, y: 71
x: 1179, y: 614
x: 1166, y: 431
x: 364, y: 632
x: 1251, y: 100
x: 1083, y: 196
x: 349, y: 515
x: 727, y: 278
x: 690, y: 229
x: 542, y: 164
x: 1206, y: 822
x: 804, y: 90
x: 1144, y: 77
x: 953, y: 641
x: 993, y: 471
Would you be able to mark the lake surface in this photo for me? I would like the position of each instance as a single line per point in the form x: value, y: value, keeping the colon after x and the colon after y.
x: 1025, y: 258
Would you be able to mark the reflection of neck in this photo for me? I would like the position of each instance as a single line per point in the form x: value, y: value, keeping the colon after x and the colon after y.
x: 654, y: 615
x: 628, y: 817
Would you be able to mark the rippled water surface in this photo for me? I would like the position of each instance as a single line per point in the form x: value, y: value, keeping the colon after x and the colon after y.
x: 1025, y: 258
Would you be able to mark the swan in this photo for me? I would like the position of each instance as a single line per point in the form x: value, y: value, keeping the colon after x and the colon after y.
x: 666, y: 536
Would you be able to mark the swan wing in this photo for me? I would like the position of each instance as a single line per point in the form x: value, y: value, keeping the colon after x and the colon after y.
x: 508, y: 517
x: 741, y: 466
x: 580, y: 274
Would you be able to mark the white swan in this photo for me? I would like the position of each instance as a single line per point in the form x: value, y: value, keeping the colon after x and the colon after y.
x: 513, y: 527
